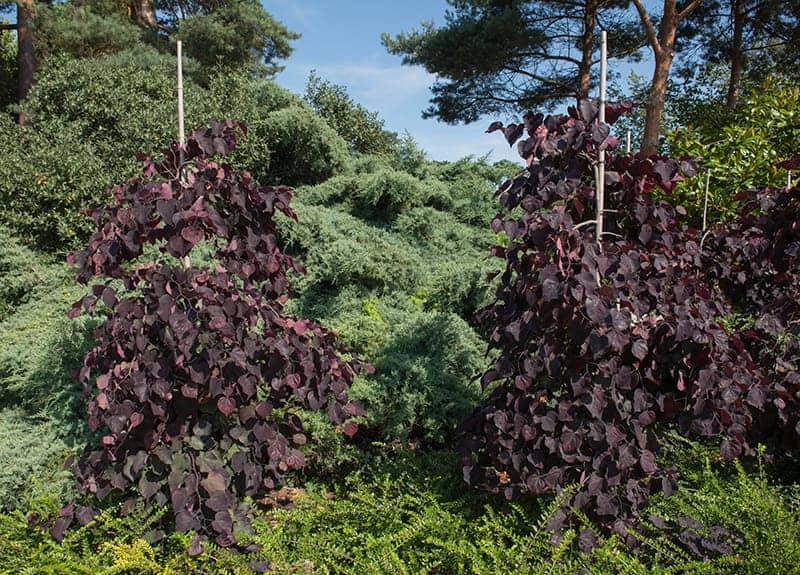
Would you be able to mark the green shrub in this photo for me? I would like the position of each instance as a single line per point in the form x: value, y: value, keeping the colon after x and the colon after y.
x: 425, y: 361
x: 91, y: 116
x: 764, y: 519
x: 459, y: 286
x: 304, y: 149
x: 340, y: 249
x: 39, y: 349
x: 442, y: 232
x: 46, y: 178
x: 115, y: 542
x: 471, y: 185
x: 738, y: 151
x: 426, y: 380
x: 409, y: 157
x: 370, y: 263
x: 39, y: 345
x: 387, y: 193
x: 408, y: 513
x: 410, y: 516
x: 378, y: 194
x: 121, y: 103
x: 8, y: 69
x: 31, y: 456
x: 362, y: 130
x: 359, y: 315
x: 335, y: 192
x: 238, y: 95
x: 22, y: 273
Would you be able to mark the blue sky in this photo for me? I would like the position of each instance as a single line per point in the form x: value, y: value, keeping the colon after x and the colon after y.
x: 341, y: 40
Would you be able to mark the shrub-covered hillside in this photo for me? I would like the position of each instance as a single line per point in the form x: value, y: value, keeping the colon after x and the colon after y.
x: 398, y: 365
x: 396, y: 248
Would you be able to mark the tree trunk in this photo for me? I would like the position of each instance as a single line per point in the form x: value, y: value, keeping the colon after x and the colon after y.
x: 26, y: 54
x: 143, y: 12
x: 587, y: 48
x: 662, y: 44
x: 655, y: 104
x: 737, y: 54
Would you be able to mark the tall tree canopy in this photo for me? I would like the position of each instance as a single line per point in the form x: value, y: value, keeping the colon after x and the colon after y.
x: 231, y: 34
x: 500, y: 56
x: 26, y: 55
x: 497, y: 56
x: 754, y: 38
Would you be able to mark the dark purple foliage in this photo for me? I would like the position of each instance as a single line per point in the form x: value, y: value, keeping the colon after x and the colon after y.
x: 756, y: 262
x: 603, y: 347
x: 198, y: 372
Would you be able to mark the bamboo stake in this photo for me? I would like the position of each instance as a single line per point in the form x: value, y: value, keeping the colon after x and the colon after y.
x: 181, y: 135
x: 628, y: 144
x: 601, y: 160
x: 705, y: 201
x: 185, y: 261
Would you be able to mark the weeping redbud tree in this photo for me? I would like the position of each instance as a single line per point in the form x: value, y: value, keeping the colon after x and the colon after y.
x: 603, y: 346
x: 198, y: 374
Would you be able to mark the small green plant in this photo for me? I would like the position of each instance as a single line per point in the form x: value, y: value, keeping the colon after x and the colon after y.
x: 737, y: 151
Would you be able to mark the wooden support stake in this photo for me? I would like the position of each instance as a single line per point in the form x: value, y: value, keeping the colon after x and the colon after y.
x: 705, y: 201
x: 181, y: 134
x: 601, y: 159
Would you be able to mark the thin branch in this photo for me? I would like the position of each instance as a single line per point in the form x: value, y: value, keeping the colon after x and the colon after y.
x: 549, y: 57
x: 541, y: 79
x: 648, y: 26
x: 9, y: 26
x: 688, y: 10
x: 703, y: 239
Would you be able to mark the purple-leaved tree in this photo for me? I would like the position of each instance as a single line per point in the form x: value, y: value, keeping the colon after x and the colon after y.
x: 603, y: 346
x: 197, y: 373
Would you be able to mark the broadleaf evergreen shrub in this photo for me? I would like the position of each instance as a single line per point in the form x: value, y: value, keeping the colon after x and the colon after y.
x: 105, y: 109
x: 739, y: 150
x: 362, y: 130
x: 120, y: 103
x: 48, y: 178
